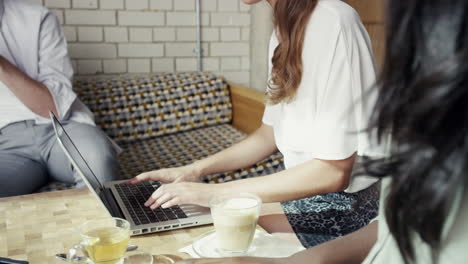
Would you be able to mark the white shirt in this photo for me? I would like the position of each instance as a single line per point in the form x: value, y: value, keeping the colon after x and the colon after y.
x: 329, y: 109
x: 32, y: 40
x: 454, y: 241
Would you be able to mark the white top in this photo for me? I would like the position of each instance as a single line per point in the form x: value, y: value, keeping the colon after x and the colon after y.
x: 454, y: 239
x: 32, y: 40
x: 11, y: 108
x: 329, y: 109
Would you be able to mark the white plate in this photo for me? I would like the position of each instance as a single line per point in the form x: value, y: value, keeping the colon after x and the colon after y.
x: 263, y: 245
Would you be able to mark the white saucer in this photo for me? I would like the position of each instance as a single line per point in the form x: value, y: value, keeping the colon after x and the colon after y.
x: 205, y: 247
x: 263, y: 245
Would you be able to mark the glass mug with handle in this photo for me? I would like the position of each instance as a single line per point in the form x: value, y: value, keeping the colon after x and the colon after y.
x: 105, y: 241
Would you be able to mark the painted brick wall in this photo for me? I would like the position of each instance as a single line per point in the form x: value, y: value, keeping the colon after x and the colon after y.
x: 142, y: 36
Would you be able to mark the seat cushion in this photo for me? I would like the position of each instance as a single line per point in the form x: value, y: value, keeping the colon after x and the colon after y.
x: 184, y: 148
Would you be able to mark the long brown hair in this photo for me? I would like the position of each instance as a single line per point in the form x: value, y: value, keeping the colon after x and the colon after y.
x: 290, y: 20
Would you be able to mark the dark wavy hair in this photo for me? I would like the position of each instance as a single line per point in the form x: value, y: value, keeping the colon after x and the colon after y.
x: 423, y: 100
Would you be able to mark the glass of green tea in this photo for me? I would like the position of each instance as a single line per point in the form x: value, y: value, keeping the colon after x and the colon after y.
x: 104, y: 241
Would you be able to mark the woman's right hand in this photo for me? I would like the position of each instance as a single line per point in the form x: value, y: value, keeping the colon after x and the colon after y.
x: 188, y: 173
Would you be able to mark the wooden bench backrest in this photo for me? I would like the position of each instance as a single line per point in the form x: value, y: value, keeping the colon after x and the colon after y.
x: 372, y: 13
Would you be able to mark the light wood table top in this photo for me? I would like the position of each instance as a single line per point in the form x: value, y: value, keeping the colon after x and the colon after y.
x: 38, y: 226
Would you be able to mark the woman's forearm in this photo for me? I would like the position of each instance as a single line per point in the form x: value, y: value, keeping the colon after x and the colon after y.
x: 308, y: 179
x: 350, y: 249
x: 257, y: 146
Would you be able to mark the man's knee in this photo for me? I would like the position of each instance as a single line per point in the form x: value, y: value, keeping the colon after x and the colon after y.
x: 91, y: 141
x: 97, y: 149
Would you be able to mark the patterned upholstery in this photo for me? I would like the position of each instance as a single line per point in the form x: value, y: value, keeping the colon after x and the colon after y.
x: 139, y: 108
x: 183, y: 148
x: 167, y: 120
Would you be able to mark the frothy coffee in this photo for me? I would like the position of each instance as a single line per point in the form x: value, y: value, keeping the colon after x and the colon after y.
x: 235, y: 221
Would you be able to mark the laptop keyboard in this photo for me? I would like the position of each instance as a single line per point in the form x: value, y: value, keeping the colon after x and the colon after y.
x: 134, y: 198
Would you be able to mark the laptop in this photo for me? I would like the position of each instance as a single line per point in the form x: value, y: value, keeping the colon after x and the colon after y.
x: 127, y: 201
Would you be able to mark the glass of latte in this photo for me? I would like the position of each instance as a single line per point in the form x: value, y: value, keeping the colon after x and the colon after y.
x: 235, y: 219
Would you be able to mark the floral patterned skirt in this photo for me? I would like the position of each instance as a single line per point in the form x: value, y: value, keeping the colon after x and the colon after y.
x: 321, y: 218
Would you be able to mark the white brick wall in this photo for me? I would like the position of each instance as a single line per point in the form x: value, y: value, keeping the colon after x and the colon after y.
x: 139, y: 65
x: 141, y: 36
x: 92, y: 50
x: 116, y: 34
x: 90, y: 34
x: 185, y: 18
x: 230, y: 19
x: 136, y: 4
x: 161, y: 4
x: 163, y: 65
x: 90, y: 4
x: 231, y: 34
x: 140, y: 18
x: 141, y: 50
x: 185, y: 49
x: 184, y: 5
x: 228, y: 5
x: 90, y: 66
x: 58, y: 3
x: 112, y: 4
x: 164, y: 34
x: 230, y: 49
x: 115, y: 66
x: 230, y: 63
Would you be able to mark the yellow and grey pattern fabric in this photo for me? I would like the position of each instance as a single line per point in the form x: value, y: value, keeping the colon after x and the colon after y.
x: 139, y: 108
x: 184, y: 148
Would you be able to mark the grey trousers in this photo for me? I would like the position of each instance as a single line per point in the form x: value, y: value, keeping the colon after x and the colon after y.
x: 31, y: 157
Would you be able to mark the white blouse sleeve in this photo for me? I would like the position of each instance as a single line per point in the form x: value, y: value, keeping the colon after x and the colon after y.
x: 268, y: 116
x: 345, y: 103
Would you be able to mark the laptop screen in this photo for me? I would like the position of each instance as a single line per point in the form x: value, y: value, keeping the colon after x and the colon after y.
x: 74, y: 155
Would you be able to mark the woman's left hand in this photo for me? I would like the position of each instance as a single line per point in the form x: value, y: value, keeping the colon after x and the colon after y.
x: 242, y: 260
x: 182, y: 193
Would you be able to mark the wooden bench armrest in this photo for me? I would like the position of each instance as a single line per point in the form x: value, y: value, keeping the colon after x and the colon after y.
x: 248, y: 106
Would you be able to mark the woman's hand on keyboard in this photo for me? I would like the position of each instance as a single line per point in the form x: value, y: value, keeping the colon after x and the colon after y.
x: 187, y: 173
x: 172, y: 194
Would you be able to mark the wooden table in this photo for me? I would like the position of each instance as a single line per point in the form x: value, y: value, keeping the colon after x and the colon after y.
x: 36, y: 227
